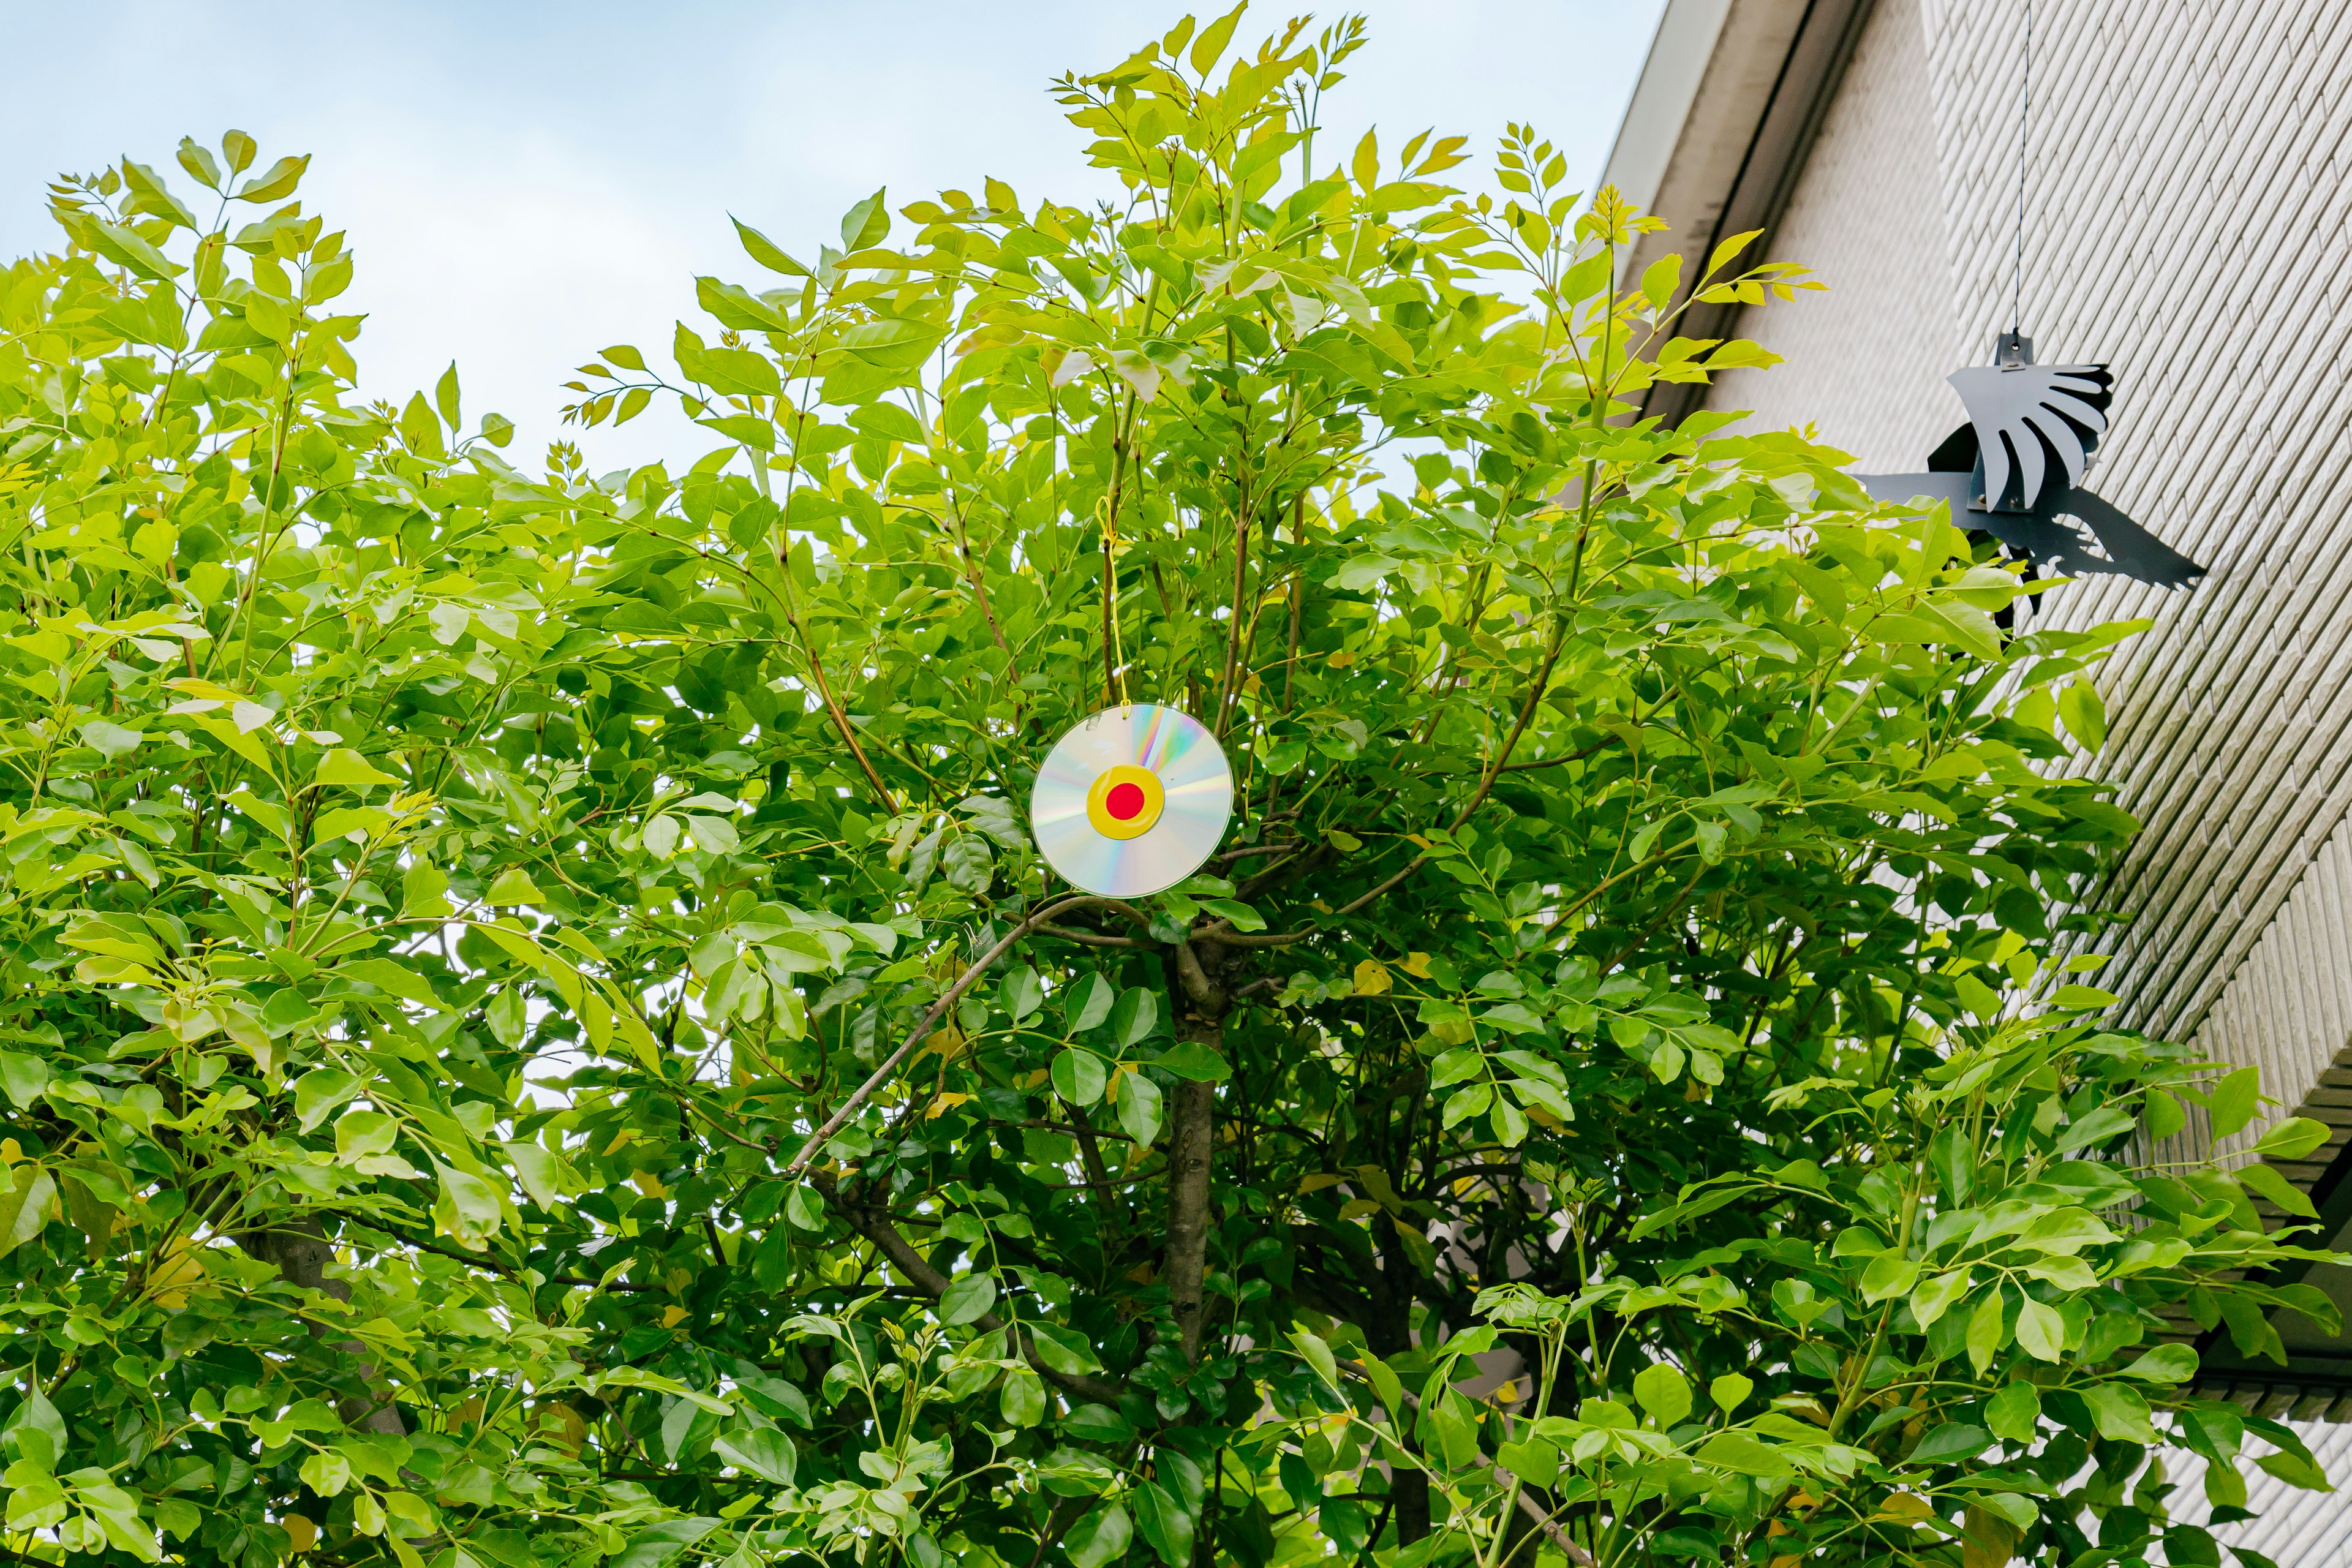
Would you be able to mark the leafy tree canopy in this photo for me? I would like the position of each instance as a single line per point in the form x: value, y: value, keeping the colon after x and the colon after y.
x: 533, y: 1030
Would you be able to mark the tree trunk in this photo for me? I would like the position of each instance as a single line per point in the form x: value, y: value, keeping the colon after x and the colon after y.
x: 300, y: 1253
x: 1190, y: 1161
x: 1196, y: 986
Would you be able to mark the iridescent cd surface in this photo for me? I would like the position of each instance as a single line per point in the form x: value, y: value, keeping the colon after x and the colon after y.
x: 1197, y: 798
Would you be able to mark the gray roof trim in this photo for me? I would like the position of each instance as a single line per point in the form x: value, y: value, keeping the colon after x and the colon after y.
x: 1729, y: 104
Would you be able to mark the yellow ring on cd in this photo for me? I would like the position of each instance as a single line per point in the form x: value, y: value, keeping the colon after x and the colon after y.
x: 1155, y: 800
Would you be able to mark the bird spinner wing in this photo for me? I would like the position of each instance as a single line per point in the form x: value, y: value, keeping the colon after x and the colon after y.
x: 2031, y: 416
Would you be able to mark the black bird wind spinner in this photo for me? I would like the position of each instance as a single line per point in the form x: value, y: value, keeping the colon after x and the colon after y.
x: 2015, y: 470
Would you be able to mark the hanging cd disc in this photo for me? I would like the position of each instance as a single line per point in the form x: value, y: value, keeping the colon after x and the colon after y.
x: 1132, y: 801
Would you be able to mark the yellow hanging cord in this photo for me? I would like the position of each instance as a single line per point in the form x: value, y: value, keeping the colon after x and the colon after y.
x: 1110, y: 608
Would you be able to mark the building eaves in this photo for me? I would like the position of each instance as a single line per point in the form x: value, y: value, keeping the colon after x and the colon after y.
x: 1727, y: 106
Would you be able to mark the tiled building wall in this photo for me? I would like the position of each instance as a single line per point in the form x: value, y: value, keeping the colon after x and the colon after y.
x: 1866, y: 361
x: 2189, y: 222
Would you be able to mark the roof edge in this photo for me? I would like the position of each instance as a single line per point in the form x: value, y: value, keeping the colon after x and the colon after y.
x: 1722, y: 119
x: 1663, y: 97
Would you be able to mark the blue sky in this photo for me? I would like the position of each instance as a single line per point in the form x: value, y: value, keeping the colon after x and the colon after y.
x: 526, y: 183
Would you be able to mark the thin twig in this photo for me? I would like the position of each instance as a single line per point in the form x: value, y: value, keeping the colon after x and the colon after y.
x: 947, y: 999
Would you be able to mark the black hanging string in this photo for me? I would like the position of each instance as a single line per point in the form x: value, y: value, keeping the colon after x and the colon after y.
x: 2024, y: 110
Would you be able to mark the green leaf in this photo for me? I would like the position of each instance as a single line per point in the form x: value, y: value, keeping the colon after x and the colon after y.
x: 2296, y: 1470
x: 326, y: 1473
x: 1022, y: 995
x: 1937, y: 1295
x: 2040, y: 1331
x: 124, y: 247
x: 1952, y: 1440
x: 2296, y: 1138
x: 1730, y: 1391
x: 804, y: 1209
x: 2121, y: 1412
x: 513, y: 886
x: 764, y: 1451
x: 1739, y: 1452
x: 2265, y: 1182
x: 1209, y: 47
x: 1358, y: 573
x: 468, y: 1205
x: 318, y: 1092
x: 1730, y: 249
x: 1088, y: 1003
x: 765, y: 251
x: 2165, y: 1364
x: 109, y: 738
x: 1662, y: 280
x: 1191, y: 1060
x: 1244, y: 916
x: 968, y: 1299
x: 23, y: 1078
x: 200, y: 164
x: 1101, y: 1536
x: 400, y: 982
x: 35, y: 1432
x: 1134, y: 1017
x: 1139, y: 1108
x: 658, y: 1545
x: 1167, y: 1527
x: 2014, y: 1413
x: 2086, y: 716
x: 2107, y: 1121
x: 1987, y: 1332
x: 1663, y: 1391
x: 1953, y: 1157
x: 1065, y: 1350
x: 2234, y: 1102
x: 1079, y: 1076
x: 539, y: 1172
x: 1021, y: 1399
x: 865, y: 225
x: 278, y: 181
x: 1318, y: 1354
x: 1889, y: 1274
x: 1533, y: 1461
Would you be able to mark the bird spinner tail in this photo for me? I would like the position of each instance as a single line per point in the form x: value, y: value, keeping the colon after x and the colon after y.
x: 2033, y: 423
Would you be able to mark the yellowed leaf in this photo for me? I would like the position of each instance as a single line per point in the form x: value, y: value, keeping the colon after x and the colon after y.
x: 1371, y: 977
x: 177, y: 1273
x: 561, y: 1425
x: 1417, y: 965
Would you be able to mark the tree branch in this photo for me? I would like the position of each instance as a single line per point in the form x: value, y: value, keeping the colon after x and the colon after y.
x: 876, y: 1227
x: 1534, y: 1510
x: 938, y: 1009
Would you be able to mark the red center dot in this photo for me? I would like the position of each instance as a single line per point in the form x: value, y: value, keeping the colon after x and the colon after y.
x: 1124, y: 801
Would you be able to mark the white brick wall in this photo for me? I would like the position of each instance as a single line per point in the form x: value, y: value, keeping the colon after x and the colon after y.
x: 2188, y: 225
x: 2189, y: 222
x: 1866, y: 361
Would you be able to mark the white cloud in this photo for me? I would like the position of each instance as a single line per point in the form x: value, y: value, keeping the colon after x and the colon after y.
x: 525, y: 183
